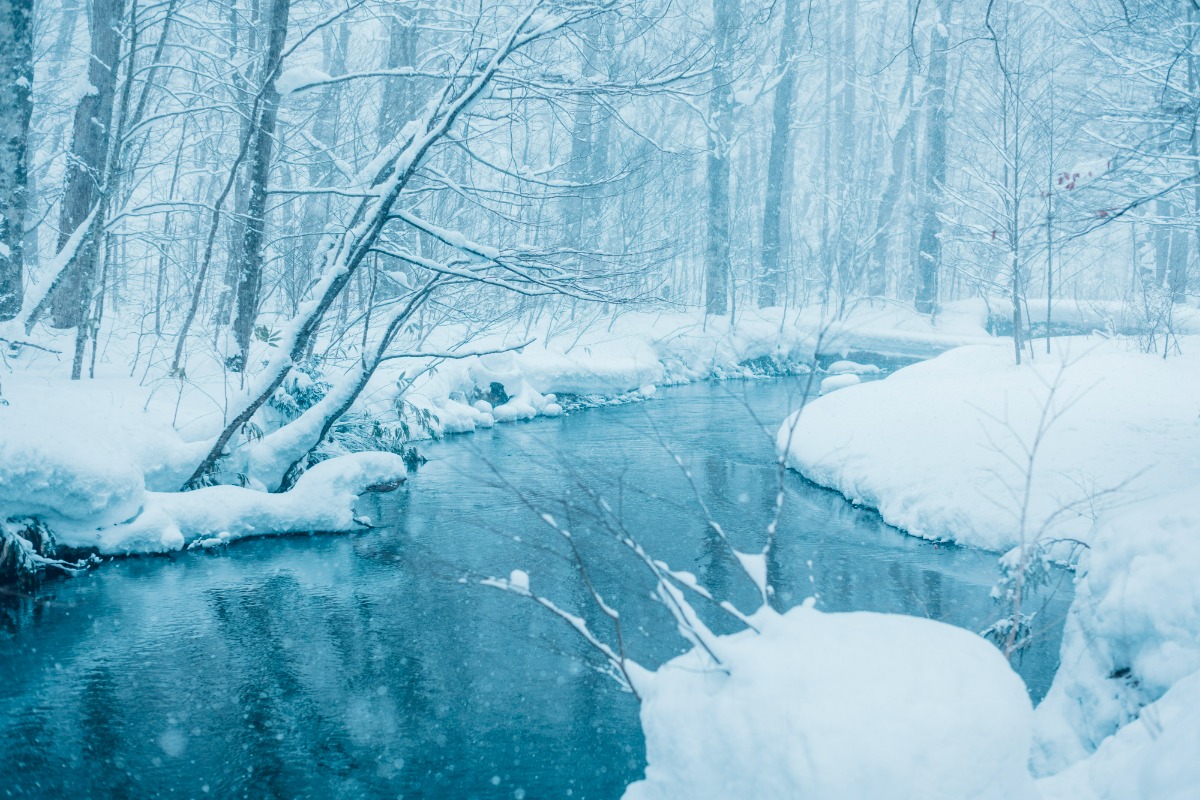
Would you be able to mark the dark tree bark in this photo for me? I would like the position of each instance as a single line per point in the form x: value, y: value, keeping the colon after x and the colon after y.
x: 250, y: 259
x: 16, y: 107
x: 720, y: 134
x: 399, y: 91
x: 88, y: 161
x: 779, y: 161
x: 929, y: 251
x: 901, y: 170
x: 846, y: 151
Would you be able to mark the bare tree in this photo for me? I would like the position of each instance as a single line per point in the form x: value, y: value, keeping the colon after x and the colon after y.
x: 929, y: 253
x: 16, y: 102
x: 721, y: 105
x: 779, y: 161
x: 87, y: 166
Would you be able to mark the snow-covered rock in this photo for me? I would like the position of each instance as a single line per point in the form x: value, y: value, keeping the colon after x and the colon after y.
x: 837, y: 706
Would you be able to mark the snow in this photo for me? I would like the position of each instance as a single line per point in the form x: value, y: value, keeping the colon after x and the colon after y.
x: 1133, y: 631
x: 321, y: 501
x: 835, y: 706
x: 1115, y: 467
x: 1152, y: 758
x: 635, y: 353
x: 298, y: 79
x: 835, y: 382
x: 99, y: 460
x: 947, y: 461
x: 519, y: 579
x: 852, y: 367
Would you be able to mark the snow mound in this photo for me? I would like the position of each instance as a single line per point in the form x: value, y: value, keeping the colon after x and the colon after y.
x: 835, y: 382
x: 1152, y: 758
x: 852, y: 367
x: 837, y: 706
x: 45, y: 472
x: 1133, y: 631
x: 1117, y: 469
x: 321, y: 501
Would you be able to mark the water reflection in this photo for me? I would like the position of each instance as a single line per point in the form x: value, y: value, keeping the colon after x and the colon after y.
x: 375, y: 666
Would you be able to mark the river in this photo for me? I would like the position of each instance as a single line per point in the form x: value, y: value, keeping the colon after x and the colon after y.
x: 376, y: 665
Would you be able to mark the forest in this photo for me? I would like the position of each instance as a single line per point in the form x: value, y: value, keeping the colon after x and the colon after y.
x: 262, y: 260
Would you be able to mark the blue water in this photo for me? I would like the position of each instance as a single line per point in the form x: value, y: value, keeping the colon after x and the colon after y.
x: 376, y: 666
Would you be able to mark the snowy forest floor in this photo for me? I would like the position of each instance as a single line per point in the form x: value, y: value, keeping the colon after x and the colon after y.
x: 101, y: 461
x: 1087, y: 453
x: 1092, y: 451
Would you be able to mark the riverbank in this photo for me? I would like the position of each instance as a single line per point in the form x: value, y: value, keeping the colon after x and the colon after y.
x: 1095, y: 450
x: 95, y: 460
x: 357, y: 640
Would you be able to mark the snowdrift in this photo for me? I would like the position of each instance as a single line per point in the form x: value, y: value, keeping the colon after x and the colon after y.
x: 836, y: 706
x: 99, y: 460
x: 942, y: 449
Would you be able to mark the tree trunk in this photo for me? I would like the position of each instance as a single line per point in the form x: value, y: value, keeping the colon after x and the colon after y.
x: 250, y: 258
x: 720, y: 140
x: 846, y: 150
x: 929, y: 255
x: 779, y: 161
x: 366, y: 226
x: 323, y: 170
x: 16, y: 107
x: 890, y: 199
x: 399, y: 92
x: 88, y: 162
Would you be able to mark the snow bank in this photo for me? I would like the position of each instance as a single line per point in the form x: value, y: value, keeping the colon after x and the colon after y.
x: 46, y: 473
x: 617, y: 357
x: 321, y: 501
x: 1133, y: 630
x: 852, y: 367
x: 836, y: 706
x: 940, y: 449
x: 1153, y: 758
x: 98, y: 461
x: 93, y: 455
x: 835, y: 382
x: 1111, y: 316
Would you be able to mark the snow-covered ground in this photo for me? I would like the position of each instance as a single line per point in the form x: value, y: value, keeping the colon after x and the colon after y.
x: 1098, y: 443
x: 97, y: 459
x: 836, y: 706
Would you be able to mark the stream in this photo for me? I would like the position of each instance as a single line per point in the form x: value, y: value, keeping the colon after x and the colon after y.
x: 375, y: 665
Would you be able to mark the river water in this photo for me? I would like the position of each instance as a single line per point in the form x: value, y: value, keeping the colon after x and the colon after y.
x: 376, y: 665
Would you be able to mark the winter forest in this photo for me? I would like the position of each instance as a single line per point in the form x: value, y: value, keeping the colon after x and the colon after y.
x: 851, y: 351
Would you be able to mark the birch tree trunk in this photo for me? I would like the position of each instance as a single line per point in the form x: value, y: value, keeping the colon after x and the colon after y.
x: 16, y: 107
